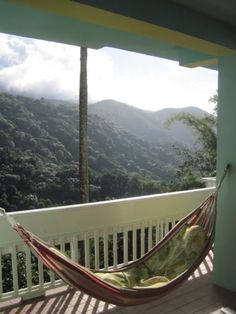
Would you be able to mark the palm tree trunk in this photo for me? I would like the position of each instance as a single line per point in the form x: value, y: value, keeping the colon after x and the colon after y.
x: 83, y: 128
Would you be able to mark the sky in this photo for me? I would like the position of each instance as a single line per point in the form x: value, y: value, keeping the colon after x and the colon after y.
x: 46, y: 69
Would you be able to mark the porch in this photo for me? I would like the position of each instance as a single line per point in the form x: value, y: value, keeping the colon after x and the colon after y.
x: 149, y: 30
x: 101, y: 235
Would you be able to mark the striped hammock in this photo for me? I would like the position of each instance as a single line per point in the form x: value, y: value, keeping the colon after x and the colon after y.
x: 168, y: 264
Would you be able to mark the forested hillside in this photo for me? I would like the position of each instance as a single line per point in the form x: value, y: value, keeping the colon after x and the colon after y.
x: 39, y: 157
x: 148, y: 125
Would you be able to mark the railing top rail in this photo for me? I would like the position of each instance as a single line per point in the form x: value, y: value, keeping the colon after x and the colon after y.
x: 49, y: 222
x: 122, y: 201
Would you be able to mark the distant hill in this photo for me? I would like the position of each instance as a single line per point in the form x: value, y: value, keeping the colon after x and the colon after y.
x: 147, y: 125
x: 59, y: 102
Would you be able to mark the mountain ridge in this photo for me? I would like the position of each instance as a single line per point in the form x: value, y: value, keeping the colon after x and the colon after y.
x: 144, y: 124
x: 148, y: 125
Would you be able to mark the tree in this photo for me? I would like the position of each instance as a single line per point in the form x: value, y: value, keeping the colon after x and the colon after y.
x: 201, y: 162
x: 83, y: 128
x: 214, y: 100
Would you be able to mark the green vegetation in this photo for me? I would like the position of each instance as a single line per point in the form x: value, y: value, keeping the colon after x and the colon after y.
x: 39, y: 157
x: 201, y: 162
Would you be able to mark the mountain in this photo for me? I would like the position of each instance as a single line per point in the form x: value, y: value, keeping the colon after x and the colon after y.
x: 39, y: 156
x: 148, y: 125
x: 59, y: 102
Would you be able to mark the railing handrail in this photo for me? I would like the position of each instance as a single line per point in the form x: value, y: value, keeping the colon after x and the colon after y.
x: 48, y: 222
x: 210, y: 181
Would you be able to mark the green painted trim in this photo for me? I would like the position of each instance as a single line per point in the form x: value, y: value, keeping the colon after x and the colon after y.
x: 176, y: 16
x: 126, y: 24
x: 224, y: 273
x: 15, y: 19
x: 204, y: 63
x: 192, y: 59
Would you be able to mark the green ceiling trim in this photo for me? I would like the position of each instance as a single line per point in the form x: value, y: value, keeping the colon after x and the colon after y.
x: 15, y: 19
x: 54, y: 20
x: 192, y: 59
x: 115, y: 21
x: 184, y: 17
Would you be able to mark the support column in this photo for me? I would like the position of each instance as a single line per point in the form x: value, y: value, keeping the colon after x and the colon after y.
x: 224, y: 273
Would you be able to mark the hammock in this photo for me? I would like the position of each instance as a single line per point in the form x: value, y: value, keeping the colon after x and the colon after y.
x: 168, y: 264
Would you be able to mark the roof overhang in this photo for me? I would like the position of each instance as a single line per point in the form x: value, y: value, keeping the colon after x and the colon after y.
x: 167, y: 29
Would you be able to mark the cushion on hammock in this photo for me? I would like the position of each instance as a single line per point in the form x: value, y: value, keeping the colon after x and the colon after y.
x: 175, y: 257
x: 156, y: 281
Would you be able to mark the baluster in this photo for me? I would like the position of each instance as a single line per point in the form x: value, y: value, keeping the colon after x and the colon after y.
x: 86, y: 249
x: 28, y: 268
x: 125, y: 246
x: 62, y: 245
x: 115, y: 248
x: 164, y: 230
x: 96, y: 250
x: 134, y: 242
x: 142, y: 235
x: 74, y: 248
x: 14, y: 270
x: 173, y: 222
x: 51, y: 273
x: 41, y: 277
x: 1, y: 281
x: 158, y: 232
x: 149, y: 236
x: 105, y: 239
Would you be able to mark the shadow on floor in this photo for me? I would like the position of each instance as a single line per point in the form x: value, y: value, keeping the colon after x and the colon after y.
x: 197, y: 295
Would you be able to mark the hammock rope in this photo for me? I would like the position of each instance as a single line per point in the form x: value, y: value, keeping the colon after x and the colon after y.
x: 168, y: 264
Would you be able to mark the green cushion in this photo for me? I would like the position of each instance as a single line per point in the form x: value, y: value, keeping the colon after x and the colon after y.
x: 172, y: 259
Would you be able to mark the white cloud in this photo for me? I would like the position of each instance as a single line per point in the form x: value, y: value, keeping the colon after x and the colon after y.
x: 100, y: 75
x: 12, y: 51
x: 47, y: 69
x: 50, y: 69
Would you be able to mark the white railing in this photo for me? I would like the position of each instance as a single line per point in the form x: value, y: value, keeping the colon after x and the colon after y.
x: 98, y: 235
x: 210, y: 182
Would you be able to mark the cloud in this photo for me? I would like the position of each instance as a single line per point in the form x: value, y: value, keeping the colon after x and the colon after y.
x: 152, y: 83
x: 51, y: 70
x: 47, y: 69
x: 12, y: 52
x: 38, y: 68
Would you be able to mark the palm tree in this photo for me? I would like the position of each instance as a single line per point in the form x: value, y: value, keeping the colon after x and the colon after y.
x: 83, y: 129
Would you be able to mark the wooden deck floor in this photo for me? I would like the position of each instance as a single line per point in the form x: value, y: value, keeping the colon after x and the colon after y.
x: 197, y: 295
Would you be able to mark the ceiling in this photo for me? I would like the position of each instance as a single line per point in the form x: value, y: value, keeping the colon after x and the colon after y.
x: 222, y: 10
x: 211, y: 20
